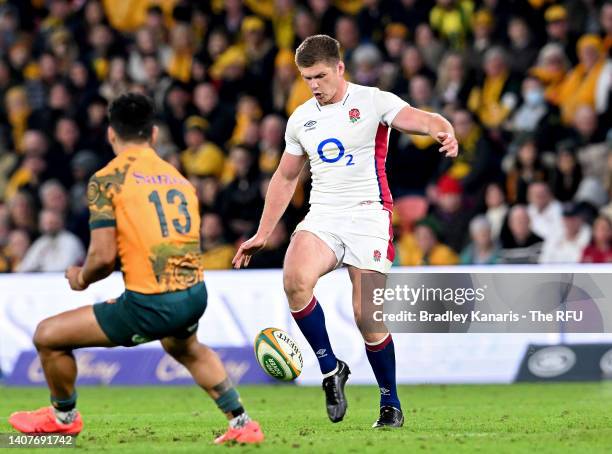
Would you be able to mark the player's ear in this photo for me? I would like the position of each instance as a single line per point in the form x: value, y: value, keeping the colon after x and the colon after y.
x: 154, y: 134
x: 341, y: 68
x: 111, y: 135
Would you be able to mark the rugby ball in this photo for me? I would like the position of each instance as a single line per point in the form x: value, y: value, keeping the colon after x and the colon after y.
x: 278, y: 354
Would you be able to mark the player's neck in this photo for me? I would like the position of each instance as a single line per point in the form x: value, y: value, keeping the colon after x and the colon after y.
x: 121, y: 147
x: 339, y: 93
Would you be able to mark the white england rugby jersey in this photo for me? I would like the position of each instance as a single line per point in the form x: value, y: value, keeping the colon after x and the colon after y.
x: 346, y: 143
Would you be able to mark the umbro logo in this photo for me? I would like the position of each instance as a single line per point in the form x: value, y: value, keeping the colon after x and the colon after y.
x: 322, y: 353
x: 310, y: 125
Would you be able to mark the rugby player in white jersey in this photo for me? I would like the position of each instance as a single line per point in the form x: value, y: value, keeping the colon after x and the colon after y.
x: 343, y: 131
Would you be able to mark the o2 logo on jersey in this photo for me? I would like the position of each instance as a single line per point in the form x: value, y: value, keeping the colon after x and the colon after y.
x: 336, y: 158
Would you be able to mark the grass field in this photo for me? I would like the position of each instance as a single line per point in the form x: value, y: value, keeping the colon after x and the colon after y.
x: 541, y: 418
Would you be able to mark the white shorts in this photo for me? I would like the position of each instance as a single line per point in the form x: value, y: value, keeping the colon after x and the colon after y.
x: 362, y: 237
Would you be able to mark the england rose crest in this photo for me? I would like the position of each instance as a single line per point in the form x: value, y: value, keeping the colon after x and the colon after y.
x: 377, y: 255
x: 354, y: 115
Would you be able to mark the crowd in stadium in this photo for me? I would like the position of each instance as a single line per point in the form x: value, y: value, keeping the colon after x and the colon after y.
x: 525, y: 83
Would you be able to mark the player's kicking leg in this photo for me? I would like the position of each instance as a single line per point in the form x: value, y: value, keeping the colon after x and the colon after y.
x: 381, y: 355
x: 55, y: 338
x: 307, y: 259
x: 208, y: 372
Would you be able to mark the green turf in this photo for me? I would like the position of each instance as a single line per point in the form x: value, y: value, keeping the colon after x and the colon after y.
x: 540, y: 418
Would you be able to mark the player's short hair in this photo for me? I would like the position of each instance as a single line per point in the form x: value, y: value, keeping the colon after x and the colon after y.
x: 131, y: 116
x: 317, y: 49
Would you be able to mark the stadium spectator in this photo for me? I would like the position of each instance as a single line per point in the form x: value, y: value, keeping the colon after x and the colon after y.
x: 558, y: 30
x: 55, y: 250
x: 424, y: 246
x: 600, y: 248
x: 497, y: 96
x: 518, y: 242
x: 272, y: 254
x: 526, y: 168
x: 430, y: 47
x: 482, y: 249
x: 580, y: 84
x: 522, y: 51
x: 201, y: 157
x: 231, y: 64
x: 451, y: 19
x: 567, y: 245
x: 454, y: 81
x: 451, y: 213
x: 496, y: 208
x: 218, y: 253
x: 567, y: 174
x: 17, y: 245
x: 544, y: 210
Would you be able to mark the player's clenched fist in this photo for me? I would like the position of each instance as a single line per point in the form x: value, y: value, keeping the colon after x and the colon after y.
x: 246, y: 250
x: 449, y: 147
x: 75, y: 279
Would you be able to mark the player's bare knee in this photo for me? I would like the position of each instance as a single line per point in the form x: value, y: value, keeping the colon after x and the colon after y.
x: 298, y: 289
x: 44, y: 335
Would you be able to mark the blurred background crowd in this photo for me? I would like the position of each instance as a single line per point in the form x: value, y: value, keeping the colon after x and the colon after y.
x: 526, y: 84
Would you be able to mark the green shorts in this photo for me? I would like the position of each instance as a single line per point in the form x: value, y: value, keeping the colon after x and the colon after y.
x: 136, y: 318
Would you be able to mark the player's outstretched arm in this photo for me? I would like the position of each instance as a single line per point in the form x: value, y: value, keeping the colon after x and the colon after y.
x: 100, y: 261
x: 415, y: 121
x: 281, y: 189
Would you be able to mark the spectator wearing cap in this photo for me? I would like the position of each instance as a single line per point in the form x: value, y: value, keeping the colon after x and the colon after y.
x: 201, y: 157
x: 518, y: 242
x: 567, y: 244
x: 451, y: 213
x: 229, y: 74
x: 482, y: 249
x: 600, y: 248
x: 451, y: 19
x: 260, y: 54
x: 55, y: 250
x: 580, y: 84
x: 395, y: 41
x: 558, y: 30
x: 483, y: 26
x: 544, y: 211
x: 424, y: 246
x: 285, y: 73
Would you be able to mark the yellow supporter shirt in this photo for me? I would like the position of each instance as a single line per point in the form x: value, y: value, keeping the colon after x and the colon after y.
x: 156, y: 213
